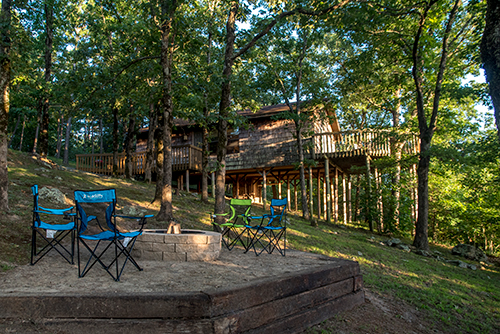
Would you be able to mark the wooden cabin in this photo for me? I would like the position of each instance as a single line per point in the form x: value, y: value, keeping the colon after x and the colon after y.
x: 263, y: 158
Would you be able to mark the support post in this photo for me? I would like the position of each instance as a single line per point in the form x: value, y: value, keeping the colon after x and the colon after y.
x: 311, y: 199
x: 288, y: 193
x: 369, y: 195
x: 295, y: 183
x: 349, y: 198
x: 336, y: 196
x: 237, y: 188
x: 344, y: 199
x: 213, y: 184
x: 279, y: 187
x: 264, y: 189
x: 328, y: 192
x: 318, y: 186
x: 187, y: 180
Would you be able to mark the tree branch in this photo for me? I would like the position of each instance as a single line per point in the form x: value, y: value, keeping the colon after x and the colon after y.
x: 280, y: 17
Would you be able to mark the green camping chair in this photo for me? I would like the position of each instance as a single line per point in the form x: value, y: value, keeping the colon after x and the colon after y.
x: 233, y: 228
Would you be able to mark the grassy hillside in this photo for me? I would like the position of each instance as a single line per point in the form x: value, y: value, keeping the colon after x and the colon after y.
x: 451, y: 298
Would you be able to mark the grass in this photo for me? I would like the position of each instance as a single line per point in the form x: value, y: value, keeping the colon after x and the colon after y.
x: 454, y: 299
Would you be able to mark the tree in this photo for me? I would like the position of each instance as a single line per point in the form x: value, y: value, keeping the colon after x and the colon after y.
x: 490, y: 55
x: 264, y: 26
x: 294, y: 69
x: 168, y: 9
x: 44, y: 102
x: 426, y: 124
x: 5, y: 26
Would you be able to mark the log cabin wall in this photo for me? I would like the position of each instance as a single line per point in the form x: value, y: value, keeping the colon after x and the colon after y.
x: 269, y: 143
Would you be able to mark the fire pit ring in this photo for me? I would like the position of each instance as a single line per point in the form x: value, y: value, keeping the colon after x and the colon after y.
x: 189, y: 245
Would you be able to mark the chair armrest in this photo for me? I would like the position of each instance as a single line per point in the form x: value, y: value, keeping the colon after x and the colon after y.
x: 133, y: 217
x: 213, y: 215
x: 141, y: 220
x: 60, y: 212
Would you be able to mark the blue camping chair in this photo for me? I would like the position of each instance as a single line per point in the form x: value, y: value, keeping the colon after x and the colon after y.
x: 271, y: 229
x: 47, y: 236
x: 94, y: 208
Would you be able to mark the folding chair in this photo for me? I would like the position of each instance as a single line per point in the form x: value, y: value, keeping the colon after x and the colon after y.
x: 51, y: 234
x: 105, y: 244
x: 233, y: 228
x: 272, y: 228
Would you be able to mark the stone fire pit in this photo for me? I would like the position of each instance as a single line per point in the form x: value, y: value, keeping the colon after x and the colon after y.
x: 189, y: 245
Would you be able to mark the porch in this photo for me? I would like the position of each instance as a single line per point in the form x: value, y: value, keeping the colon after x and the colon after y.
x: 184, y: 157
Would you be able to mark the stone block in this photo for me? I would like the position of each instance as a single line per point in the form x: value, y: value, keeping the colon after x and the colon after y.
x: 194, y: 247
x: 150, y: 237
x: 161, y: 247
x: 151, y: 256
x: 147, y: 246
x: 167, y: 256
x: 185, y: 238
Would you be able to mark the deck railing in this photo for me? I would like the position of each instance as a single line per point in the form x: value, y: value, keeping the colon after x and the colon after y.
x: 363, y: 142
x: 184, y: 157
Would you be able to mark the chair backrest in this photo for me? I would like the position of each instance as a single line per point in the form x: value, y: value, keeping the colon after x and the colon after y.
x: 278, y: 209
x: 239, y: 207
x: 34, y: 190
x: 92, y: 203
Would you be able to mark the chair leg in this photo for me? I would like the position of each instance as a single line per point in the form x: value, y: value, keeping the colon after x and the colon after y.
x: 51, y: 244
x: 114, y: 265
x: 238, y: 237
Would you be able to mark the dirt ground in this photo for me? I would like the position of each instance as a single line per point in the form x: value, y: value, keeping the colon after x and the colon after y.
x: 378, y: 315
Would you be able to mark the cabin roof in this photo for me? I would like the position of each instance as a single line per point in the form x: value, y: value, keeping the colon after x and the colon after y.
x: 264, y: 112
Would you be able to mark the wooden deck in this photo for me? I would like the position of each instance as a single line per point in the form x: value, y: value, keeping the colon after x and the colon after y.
x: 373, y: 143
x: 346, y: 148
x: 185, y: 157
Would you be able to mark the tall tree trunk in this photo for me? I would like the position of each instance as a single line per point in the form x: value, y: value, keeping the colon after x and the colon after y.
x: 159, y: 157
x: 149, y: 149
x: 22, y: 133
x: 204, y: 158
x: 167, y: 51
x: 129, y: 146
x: 44, y: 127
x: 426, y: 128
x: 225, y: 103
x: 15, y: 130
x: 37, y: 130
x: 397, y: 147
x: 115, y: 141
x: 59, y: 136
x: 91, y: 135
x: 101, y: 137
x: 5, y: 21
x: 66, y: 142
x: 490, y: 55
x: 205, y: 134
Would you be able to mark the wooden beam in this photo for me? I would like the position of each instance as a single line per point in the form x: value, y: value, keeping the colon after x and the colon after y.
x: 288, y: 194
x: 328, y: 192
x: 295, y: 183
x: 264, y: 188
x: 318, y: 186
x: 311, y: 200
x: 213, y: 184
x: 336, y: 196
x: 368, y: 192
x: 349, y: 198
